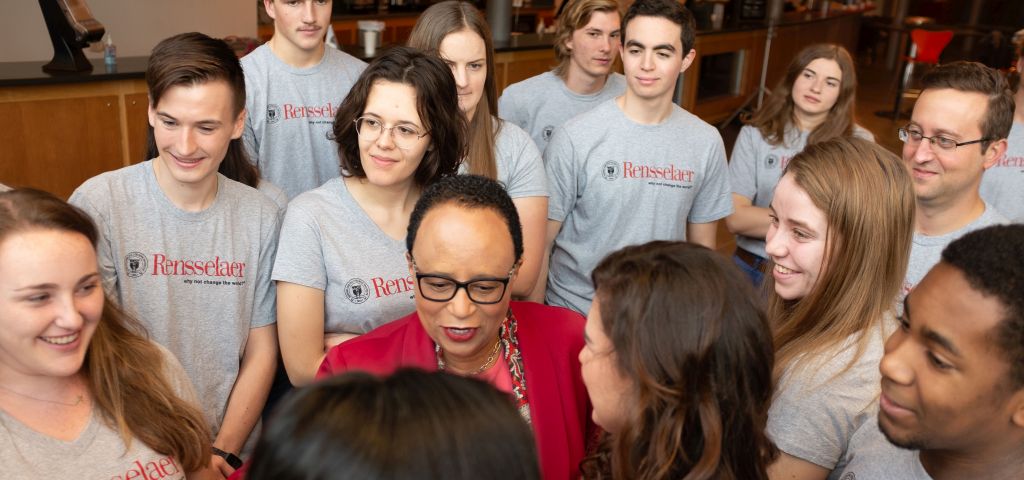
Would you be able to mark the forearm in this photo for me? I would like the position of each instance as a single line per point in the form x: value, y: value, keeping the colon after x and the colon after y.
x: 300, y: 323
x: 249, y: 394
x: 705, y: 234
x: 749, y: 221
x: 533, y: 213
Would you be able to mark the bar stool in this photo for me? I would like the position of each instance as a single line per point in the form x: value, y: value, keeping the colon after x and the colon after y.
x: 925, y: 48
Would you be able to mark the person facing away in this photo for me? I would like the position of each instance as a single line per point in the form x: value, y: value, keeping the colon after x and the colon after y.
x: 189, y: 251
x: 952, y: 391
x: 587, y: 42
x: 678, y: 365
x: 814, y: 102
x: 957, y: 130
x: 295, y: 84
x: 83, y: 392
x: 637, y: 167
x: 1002, y: 185
x: 456, y: 32
x: 409, y: 425
x: 842, y: 220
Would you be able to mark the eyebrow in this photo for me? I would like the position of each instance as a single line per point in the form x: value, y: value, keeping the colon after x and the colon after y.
x: 210, y: 122
x: 51, y: 286
x: 934, y: 337
x: 938, y: 131
x: 793, y: 221
x: 808, y: 69
x: 664, y: 46
x: 399, y: 122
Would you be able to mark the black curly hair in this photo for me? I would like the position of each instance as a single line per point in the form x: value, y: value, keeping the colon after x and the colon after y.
x: 990, y: 259
x: 471, y: 191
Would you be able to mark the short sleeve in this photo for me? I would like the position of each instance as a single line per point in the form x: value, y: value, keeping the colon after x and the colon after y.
x: 714, y: 199
x: 508, y: 110
x: 300, y: 257
x: 104, y: 250
x: 265, y: 302
x: 743, y: 163
x: 525, y: 176
x: 560, y: 165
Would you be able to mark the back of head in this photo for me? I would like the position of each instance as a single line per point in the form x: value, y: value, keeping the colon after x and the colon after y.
x: 670, y: 10
x: 436, y: 103
x: 574, y: 15
x: 867, y: 197
x: 685, y: 324
x: 991, y: 262
x: 411, y: 425
x: 189, y: 59
x: 973, y: 77
x: 29, y: 209
x: 469, y: 191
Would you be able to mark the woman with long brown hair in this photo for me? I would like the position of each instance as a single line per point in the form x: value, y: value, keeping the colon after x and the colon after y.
x: 83, y: 392
x: 457, y: 32
x: 813, y: 103
x: 839, y: 243
x: 677, y: 364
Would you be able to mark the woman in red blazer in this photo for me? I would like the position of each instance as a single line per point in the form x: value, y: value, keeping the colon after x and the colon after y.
x: 464, y: 249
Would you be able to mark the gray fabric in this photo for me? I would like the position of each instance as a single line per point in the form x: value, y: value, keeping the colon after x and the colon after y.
x: 543, y: 102
x: 615, y: 182
x: 755, y: 167
x: 520, y: 168
x: 274, y: 193
x: 871, y: 456
x: 328, y: 242
x: 817, y: 409
x: 98, y: 452
x: 926, y: 250
x: 290, y: 114
x: 197, y: 280
x: 1003, y: 184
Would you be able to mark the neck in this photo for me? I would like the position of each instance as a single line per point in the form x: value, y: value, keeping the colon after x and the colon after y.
x: 1005, y: 460
x: 191, y: 197
x: 476, y: 364
x: 1018, y: 113
x: 41, y: 388
x: 645, y: 111
x: 807, y: 122
x: 293, y: 56
x: 398, y: 198
x: 938, y: 218
x: 583, y: 84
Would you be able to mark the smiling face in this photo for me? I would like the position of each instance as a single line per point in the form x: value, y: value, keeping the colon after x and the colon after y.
x: 594, y: 47
x: 652, y: 57
x: 465, y: 52
x: 50, y: 302
x: 394, y: 105
x: 945, y: 383
x: 463, y: 244
x: 193, y: 126
x: 299, y: 25
x: 816, y: 90
x: 608, y: 388
x: 796, y: 240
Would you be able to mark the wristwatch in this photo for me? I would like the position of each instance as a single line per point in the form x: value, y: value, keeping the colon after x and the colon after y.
x: 229, y: 457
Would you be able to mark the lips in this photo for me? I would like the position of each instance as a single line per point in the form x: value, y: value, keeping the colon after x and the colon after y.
x: 783, y: 270
x: 646, y: 81
x: 892, y: 409
x: 62, y: 340
x: 460, y: 334
x: 811, y: 99
x: 383, y: 162
x: 187, y: 162
x: 921, y: 173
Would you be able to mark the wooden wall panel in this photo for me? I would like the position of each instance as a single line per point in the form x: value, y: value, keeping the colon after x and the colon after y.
x: 137, y: 120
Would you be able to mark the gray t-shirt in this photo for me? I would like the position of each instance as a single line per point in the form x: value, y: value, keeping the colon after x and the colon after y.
x: 926, y: 250
x: 198, y: 281
x: 543, y: 102
x: 817, y: 409
x: 755, y: 167
x: 871, y: 456
x: 328, y: 242
x: 615, y: 182
x: 520, y: 168
x: 290, y: 114
x: 1003, y: 183
x: 274, y: 193
x: 98, y: 452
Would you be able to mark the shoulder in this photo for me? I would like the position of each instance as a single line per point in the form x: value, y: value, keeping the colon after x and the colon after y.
x: 989, y: 218
x: 255, y: 60
x: 557, y: 325
x: 863, y: 133
x: 601, y: 114
x: 326, y: 195
x: 531, y: 84
x: 273, y: 192
x: 615, y: 84
x: 338, y: 58
x: 511, y: 135
x: 380, y: 351
x: 243, y: 196
x: 113, y: 186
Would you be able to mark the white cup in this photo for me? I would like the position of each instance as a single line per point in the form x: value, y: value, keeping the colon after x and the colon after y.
x: 370, y: 42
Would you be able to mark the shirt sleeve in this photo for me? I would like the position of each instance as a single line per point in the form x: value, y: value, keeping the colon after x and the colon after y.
x: 714, y: 199
x: 300, y: 256
x: 509, y: 110
x: 560, y: 164
x: 104, y: 250
x: 265, y: 302
x: 526, y: 177
x: 743, y: 163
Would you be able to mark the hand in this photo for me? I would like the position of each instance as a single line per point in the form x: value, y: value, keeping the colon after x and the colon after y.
x: 220, y: 467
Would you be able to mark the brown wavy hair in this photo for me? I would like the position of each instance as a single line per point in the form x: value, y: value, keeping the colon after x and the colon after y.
x: 776, y: 115
x: 123, y: 368
x: 687, y: 328
x: 439, y: 21
x: 867, y: 196
x: 574, y: 15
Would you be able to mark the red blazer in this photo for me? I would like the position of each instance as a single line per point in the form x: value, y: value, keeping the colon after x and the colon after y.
x: 550, y: 339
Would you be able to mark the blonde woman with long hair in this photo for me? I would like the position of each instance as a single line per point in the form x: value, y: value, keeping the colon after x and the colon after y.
x: 839, y: 241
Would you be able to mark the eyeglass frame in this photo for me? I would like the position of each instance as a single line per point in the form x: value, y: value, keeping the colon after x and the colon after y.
x: 391, y: 131
x: 461, y: 285
x: 904, y: 135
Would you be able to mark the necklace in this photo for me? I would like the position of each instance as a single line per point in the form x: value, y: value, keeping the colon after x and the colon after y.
x: 78, y: 399
x: 487, y: 364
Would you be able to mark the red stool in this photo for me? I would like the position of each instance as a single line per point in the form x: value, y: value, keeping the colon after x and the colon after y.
x: 925, y: 48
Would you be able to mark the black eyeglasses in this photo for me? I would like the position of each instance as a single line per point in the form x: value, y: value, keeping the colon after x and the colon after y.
x: 438, y: 288
x: 914, y: 136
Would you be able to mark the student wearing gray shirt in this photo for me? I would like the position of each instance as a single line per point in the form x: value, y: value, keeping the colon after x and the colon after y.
x: 636, y: 168
x: 294, y: 85
x: 952, y: 391
x: 812, y: 103
x: 957, y: 130
x: 1002, y: 186
x: 586, y: 46
x: 186, y: 249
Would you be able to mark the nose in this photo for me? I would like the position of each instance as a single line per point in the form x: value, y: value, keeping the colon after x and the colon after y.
x: 68, y: 314
x: 774, y: 245
x: 307, y: 12
x: 461, y: 77
x: 606, y: 43
x: 893, y: 367
x: 924, y: 151
x: 386, y: 139
x: 647, y: 61
x: 460, y: 306
x: 186, y: 144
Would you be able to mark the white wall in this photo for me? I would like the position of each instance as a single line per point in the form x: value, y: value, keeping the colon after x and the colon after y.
x: 136, y: 25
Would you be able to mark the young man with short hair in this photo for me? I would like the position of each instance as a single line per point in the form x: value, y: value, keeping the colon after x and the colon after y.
x: 1003, y: 184
x: 188, y: 251
x: 952, y: 402
x: 586, y: 46
x: 958, y: 130
x: 294, y: 86
x: 635, y: 168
